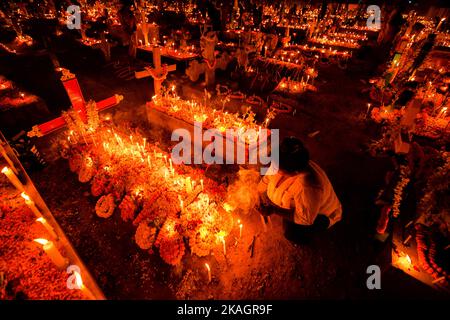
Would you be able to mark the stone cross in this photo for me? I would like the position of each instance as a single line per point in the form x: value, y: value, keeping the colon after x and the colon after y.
x: 208, y: 42
x: 158, y: 72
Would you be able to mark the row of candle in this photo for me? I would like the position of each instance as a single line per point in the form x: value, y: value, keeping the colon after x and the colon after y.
x: 134, y: 148
x: 47, y: 246
x: 340, y: 42
x: 208, y: 268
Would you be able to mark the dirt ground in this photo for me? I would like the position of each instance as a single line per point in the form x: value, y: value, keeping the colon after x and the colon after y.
x: 332, y: 266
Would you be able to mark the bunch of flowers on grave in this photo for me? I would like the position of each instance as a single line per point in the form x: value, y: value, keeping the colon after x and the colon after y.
x: 168, y: 205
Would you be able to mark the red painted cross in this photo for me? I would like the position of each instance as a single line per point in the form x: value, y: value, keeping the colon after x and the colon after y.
x: 73, y: 90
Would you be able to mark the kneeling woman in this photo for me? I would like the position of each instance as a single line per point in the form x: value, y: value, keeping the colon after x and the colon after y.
x: 300, y: 192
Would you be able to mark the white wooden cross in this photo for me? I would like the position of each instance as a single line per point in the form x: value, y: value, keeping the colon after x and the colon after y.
x: 158, y: 72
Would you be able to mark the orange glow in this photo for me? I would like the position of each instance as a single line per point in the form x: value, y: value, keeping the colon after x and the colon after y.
x: 41, y: 241
x: 25, y: 196
x: 227, y: 207
x: 404, y: 261
x: 41, y: 220
x: 78, y: 280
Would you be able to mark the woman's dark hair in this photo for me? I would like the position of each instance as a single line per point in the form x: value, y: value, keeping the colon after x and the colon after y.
x: 294, y: 157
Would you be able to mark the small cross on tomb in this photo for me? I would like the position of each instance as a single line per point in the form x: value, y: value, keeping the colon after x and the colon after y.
x: 158, y: 72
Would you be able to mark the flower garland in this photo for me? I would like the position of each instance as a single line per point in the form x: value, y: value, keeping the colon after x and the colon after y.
x: 75, y: 162
x: 432, y: 216
x: 437, y: 182
x: 145, y: 236
x: 153, y: 74
x: 172, y: 249
x: 92, y: 115
x: 99, y: 184
x: 127, y: 208
x: 213, y: 66
x: 87, y: 170
x: 105, y: 206
x: 399, y: 188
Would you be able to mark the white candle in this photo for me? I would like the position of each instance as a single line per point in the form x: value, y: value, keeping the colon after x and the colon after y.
x: 48, y: 227
x: 30, y: 203
x: 209, y: 272
x: 53, y: 253
x: 188, y: 185
x: 181, y: 204
x: 224, y: 246
x: 12, y: 178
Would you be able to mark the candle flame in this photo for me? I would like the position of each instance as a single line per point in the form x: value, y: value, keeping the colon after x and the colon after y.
x: 408, y: 259
x: 404, y: 261
x: 78, y: 280
x: 227, y: 207
x: 5, y: 170
x: 25, y: 196
x: 41, y: 241
x: 41, y: 220
x: 207, y: 267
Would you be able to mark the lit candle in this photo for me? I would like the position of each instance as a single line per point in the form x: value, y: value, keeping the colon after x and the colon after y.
x: 209, y: 272
x: 368, y: 109
x: 188, y: 185
x: 82, y: 287
x: 407, y: 239
x: 12, y: 178
x: 53, y: 253
x: 201, y: 182
x: 240, y: 230
x: 30, y: 203
x: 48, y: 227
x: 145, y: 142
x: 170, y: 164
x: 224, y: 245
x: 149, y: 162
x: 181, y: 203
x: 438, y: 280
